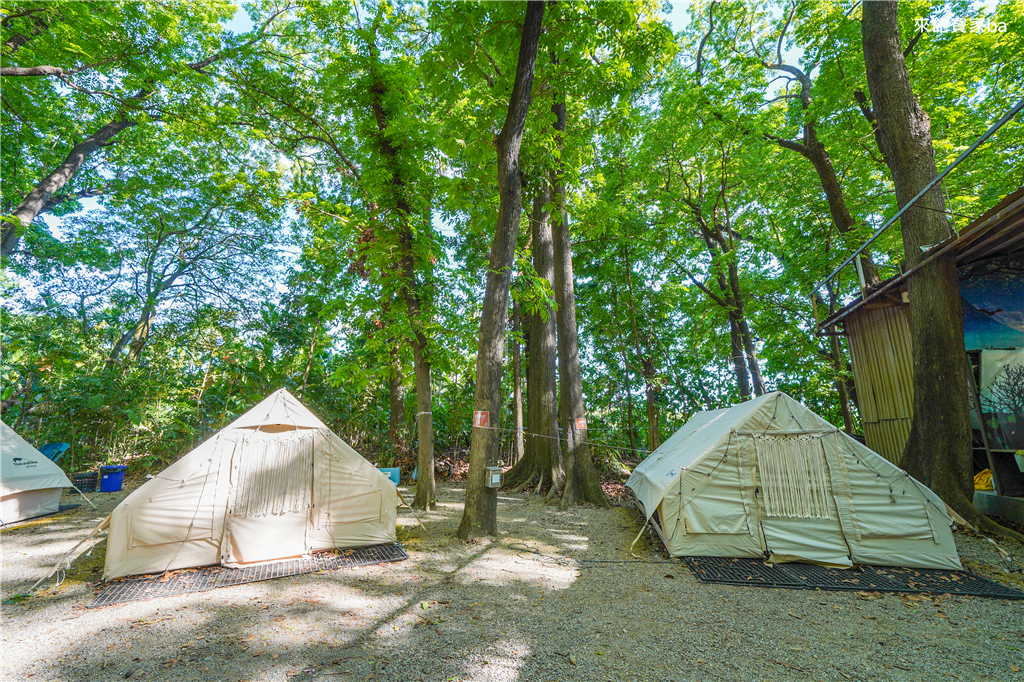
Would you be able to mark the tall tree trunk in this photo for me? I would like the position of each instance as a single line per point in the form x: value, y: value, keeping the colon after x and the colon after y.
x: 141, y: 335
x: 739, y: 365
x: 396, y: 392
x: 581, y: 481
x: 309, y: 358
x: 839, y: 367
x: 517, y: 383
x: 425, y: 482
x: 750, y: 351
x: 389, y: 148
x: 33, y: 204
x: 480, y: 515
x: 628, y: 390
x: 813, y: 149
x: 138, y: 335
x: 653, y: 392
x: 543, y: 460
x: 938, y: 452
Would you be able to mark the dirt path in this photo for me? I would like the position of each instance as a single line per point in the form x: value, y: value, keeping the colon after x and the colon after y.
x: 493, y: 610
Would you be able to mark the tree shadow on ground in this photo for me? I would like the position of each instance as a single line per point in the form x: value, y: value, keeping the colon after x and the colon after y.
x: 493, y: 610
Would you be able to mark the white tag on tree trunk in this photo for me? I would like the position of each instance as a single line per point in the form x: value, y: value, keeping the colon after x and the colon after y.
x: 581, y: 424
x: 482, y: 418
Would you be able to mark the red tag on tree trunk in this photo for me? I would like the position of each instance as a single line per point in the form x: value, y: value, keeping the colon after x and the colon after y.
x: 482, y: 418
x: 581, y: 424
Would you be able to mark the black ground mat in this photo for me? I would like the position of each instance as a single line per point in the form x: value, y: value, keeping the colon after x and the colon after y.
x: 211, y: 577
x: 868, y: 578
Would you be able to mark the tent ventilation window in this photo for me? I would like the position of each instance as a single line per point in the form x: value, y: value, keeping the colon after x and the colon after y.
x: 794, y: 479
x: 275, y: 476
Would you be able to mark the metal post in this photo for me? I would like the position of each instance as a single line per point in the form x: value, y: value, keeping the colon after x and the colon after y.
x: 860, y: 277
x: 981, y: 419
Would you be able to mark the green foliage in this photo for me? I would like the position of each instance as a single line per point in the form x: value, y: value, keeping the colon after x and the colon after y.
x: 284, y: 171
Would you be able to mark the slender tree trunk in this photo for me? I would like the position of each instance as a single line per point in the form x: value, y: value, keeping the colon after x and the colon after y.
x: 309, y: 359
x: 938, y: 452
x: 390, y: 148
x: 425, y: 482
x: 581, y: 481
x: 396, y: 392
x: 480, y: 515
x: 543, y: 461
x: 425, y: 477
x: 33, y: 204
x: 739, y: 364
x: 651, y: 389
x: 815, y: 152
x: 653, y: 392
x: 628, y: 386
x: 517, y: 383
x: 839, y: 367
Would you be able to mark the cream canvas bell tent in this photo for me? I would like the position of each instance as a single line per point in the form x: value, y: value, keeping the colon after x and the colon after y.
x: 30, y: 484
x: 274, y: 485
x: 769, y: 478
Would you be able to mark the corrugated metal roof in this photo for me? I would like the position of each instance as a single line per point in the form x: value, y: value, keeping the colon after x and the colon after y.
x: 998, y: 231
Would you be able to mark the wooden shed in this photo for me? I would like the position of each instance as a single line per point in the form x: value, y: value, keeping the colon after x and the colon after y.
x: 989, y: 253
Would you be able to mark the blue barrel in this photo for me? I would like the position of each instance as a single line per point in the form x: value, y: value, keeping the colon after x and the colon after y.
x: 395, y: 474
x: 112, y: 478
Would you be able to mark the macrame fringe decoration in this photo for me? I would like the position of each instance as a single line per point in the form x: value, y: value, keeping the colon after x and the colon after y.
x: 275, y: 473
x: 794, y: 479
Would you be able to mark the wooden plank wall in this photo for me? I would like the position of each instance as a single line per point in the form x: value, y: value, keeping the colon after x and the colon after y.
x: 883, y: 371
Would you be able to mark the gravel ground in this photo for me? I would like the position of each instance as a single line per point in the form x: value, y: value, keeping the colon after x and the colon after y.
x: 493, y: 610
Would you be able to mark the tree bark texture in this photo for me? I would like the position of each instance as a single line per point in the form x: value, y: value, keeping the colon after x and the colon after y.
x: 389, y: 148
x: 839, y: 367
x: 719, y: 241
x: 653, y: 394
x: 309, y: 358
x: 141, y: 335
x: 651, y: 387
x: 480, y: 515
x: 543, y: 460
x: 396, y: 393
x: 938, y: 452
x: 581, y: 481
x: 517, y: 384
x: 33, y: 204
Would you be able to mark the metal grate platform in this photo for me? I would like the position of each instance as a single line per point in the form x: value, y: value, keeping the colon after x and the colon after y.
x: 754, y: 572
x: 211, y: 577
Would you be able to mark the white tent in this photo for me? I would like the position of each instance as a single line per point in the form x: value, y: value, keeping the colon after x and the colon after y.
x: 274, y: 485
x: 769, y: 478
x: 30, y: 484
